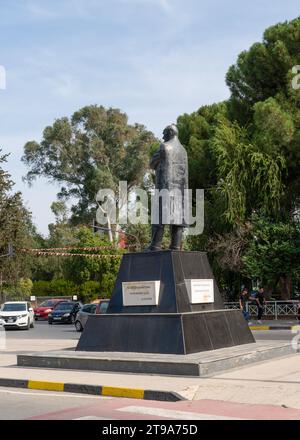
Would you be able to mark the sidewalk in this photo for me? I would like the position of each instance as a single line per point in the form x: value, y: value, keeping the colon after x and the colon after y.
x: 275, y: 382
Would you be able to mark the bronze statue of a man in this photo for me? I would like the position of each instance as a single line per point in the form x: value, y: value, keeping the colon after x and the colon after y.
x: 171, y: 169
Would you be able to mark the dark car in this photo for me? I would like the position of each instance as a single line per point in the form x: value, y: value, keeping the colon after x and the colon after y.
x: 64, y: 312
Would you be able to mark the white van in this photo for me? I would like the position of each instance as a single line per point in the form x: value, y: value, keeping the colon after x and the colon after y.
x: 17, y: 314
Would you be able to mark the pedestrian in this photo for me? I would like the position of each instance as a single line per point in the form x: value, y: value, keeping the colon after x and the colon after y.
x: 260, y: 299
x: 243, y: 303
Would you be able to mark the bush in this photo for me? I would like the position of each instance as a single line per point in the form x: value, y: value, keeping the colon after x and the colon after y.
x: 58, y: 287
x: 89, y: 291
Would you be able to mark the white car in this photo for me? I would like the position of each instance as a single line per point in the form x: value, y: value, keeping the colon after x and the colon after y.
x: 17, y: 314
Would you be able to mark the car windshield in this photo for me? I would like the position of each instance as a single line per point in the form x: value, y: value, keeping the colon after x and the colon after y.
x: 104, y: 306
x: 48, y: 303
x: 11, y: 307
x: 66, y: 306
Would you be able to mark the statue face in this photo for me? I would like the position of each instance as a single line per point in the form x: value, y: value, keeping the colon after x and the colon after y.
x: 168, y: 134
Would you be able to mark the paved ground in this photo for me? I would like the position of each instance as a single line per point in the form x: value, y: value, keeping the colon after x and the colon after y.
x: 273, y: 335
x: 269, y: 390
x: 51, y: 406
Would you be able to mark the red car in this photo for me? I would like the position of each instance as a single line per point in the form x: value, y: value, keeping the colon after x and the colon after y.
x: 43, y: 310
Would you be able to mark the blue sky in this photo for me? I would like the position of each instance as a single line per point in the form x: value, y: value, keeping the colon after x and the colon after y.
x: 154, y: 59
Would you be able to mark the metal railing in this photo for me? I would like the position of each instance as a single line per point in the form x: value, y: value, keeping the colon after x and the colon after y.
x: 275, y: 309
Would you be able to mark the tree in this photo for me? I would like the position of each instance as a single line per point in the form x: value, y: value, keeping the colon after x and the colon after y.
x: 249, y: 179
x: 55, y: 287
x: 25, y: 286
x: 96, y: 148
x: 272, y: 254
x: 264, y: 70
x: 263, y: 100
x: 61, y: 234
x: 246, y: 152
x: 16, y: 229
x: 83, y: 269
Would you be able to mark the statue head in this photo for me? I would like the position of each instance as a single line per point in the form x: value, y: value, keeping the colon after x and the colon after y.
x: 170, y: 132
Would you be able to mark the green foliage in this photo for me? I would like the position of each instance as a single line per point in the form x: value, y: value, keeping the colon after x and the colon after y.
x: 138, y: 235
x: 262, y: 71
x: 25, y: 286
x: 246, y: 152
x: 273, y: 254
x: 249, y: 179
x: 89, y: 291
x: 262, y: 97
x: 94, y: 149
x: 195, y: 132
x: 86, y: 292
x: 107, y: 283
x: 15, y: 228
x: 82, y: 269
x: 274, y: 128
x: 55, y: 288
x: 273, y: 251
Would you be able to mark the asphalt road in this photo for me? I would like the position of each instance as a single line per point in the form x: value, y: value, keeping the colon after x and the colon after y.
x: 18, y: 404
x: 43, y: 330
x: 273, y: 335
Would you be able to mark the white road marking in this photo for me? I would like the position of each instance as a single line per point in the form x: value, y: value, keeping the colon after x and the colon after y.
x: 92, y: 418
x: 170, y: 414
x: 50, y: 394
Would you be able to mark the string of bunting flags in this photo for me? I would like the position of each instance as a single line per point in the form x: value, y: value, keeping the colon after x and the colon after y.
x: 57, y: 252
x: 72, y: 248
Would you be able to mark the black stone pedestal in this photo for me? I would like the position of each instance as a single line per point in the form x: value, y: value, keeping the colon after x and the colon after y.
x: 171, y: 333
x: 174, y: 326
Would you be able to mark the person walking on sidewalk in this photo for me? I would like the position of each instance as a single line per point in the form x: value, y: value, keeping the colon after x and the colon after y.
x: 244, y: 298
x: 260, y: 299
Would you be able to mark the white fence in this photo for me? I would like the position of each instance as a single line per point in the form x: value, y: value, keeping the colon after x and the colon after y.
x: 275, y: 309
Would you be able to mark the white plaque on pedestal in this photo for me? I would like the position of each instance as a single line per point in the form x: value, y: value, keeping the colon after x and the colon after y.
x: 200, y: 291
x: 141, y: 293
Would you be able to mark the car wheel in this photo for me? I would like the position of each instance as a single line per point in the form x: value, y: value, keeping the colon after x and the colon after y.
x: 28, y: 325
x: 35, y: 318
x: 78, y: 326
x: 50, y: 321
x: 32, y: 324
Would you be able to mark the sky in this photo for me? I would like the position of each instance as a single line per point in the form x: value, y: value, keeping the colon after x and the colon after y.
x: 153, y: 59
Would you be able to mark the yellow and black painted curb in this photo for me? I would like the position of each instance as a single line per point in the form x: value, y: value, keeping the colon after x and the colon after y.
x: 97, y: 390
x: 275, y: 327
